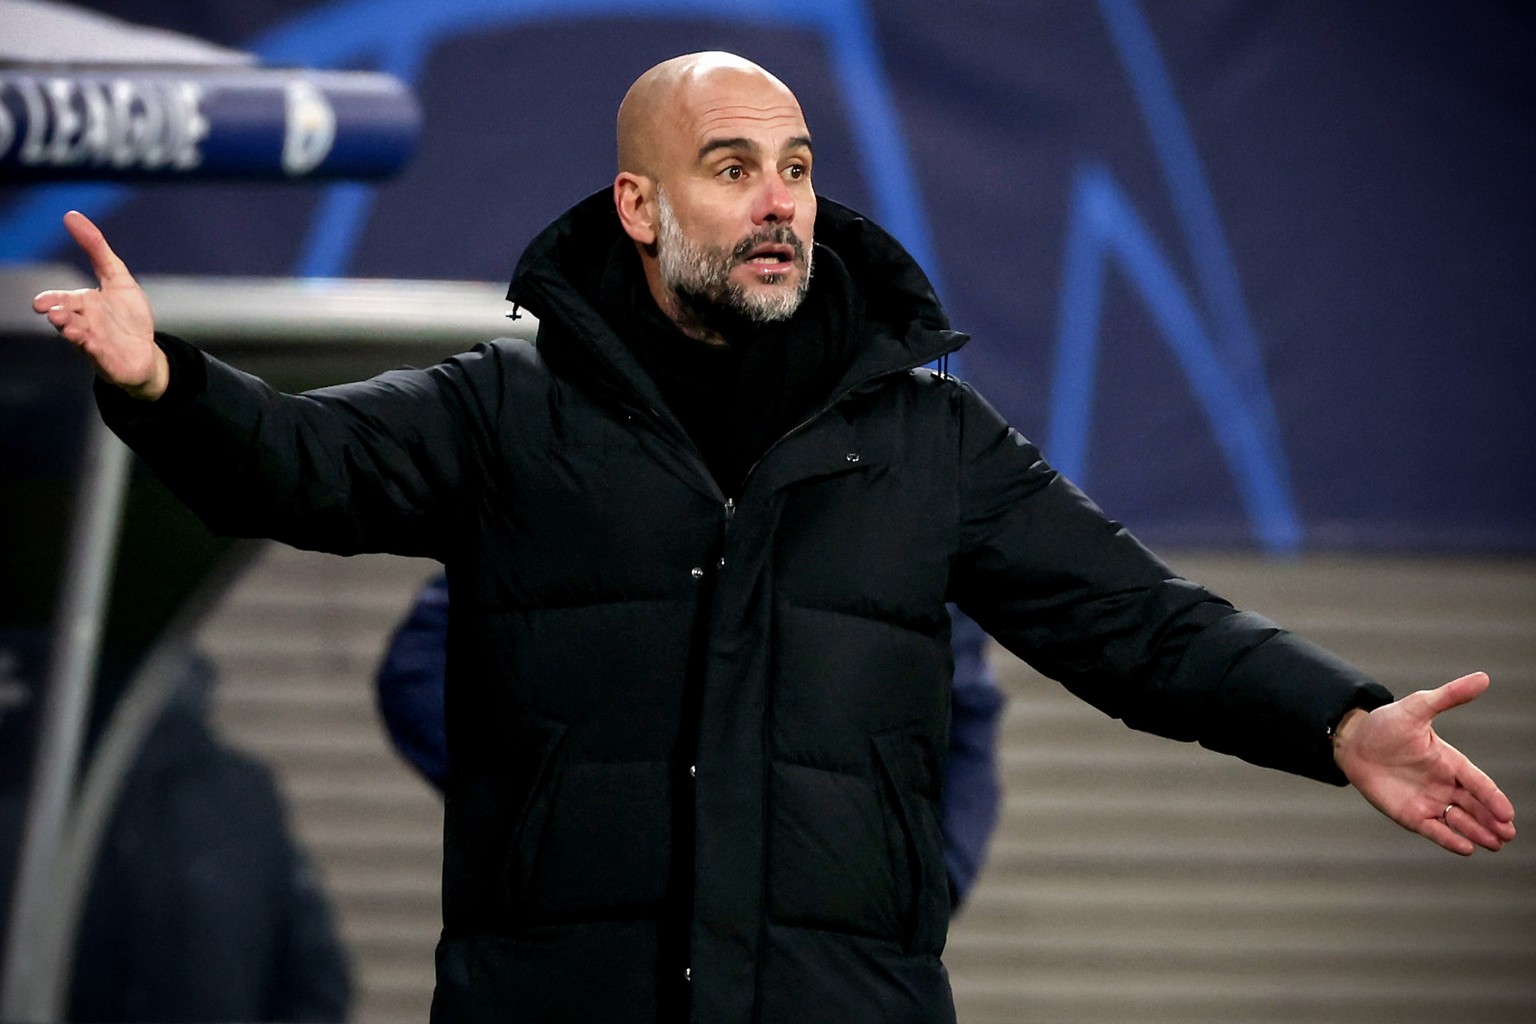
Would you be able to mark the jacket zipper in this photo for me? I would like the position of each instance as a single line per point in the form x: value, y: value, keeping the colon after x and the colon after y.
x: 725, y: 532
x: 838, y: 397
x: 666, y: 425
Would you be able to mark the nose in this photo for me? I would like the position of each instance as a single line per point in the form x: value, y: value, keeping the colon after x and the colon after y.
x: 775, y: 203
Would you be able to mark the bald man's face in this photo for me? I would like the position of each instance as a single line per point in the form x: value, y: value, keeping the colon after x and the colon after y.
x: 735, y: 207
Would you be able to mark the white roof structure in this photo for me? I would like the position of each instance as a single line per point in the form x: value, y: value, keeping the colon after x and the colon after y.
x: 43, y: 32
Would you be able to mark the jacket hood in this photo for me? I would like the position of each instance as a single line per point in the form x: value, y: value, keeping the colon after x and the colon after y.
x: 562, y: 269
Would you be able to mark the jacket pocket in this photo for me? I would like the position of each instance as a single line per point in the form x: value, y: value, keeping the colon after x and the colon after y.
x: 604, y: 848
x: 908, y: 775
x: 828, y: 865
x: 541, y: 739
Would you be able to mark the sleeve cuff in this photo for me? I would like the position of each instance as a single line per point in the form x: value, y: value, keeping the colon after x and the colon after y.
x: 1278, y: 695
x: 188, y: 380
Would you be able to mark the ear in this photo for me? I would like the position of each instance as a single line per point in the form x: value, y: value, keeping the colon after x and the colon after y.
x: 632, y: 197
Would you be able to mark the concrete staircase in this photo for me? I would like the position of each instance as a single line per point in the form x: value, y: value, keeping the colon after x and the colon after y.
x: 298, y: 641
x: 1138, y: 880
x: 1132, y: 880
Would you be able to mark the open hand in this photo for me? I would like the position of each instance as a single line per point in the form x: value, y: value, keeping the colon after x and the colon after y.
x: 112, y: 324
x: 1393, y: 757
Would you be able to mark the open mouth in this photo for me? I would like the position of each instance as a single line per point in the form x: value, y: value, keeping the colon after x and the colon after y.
x: 771, y: 257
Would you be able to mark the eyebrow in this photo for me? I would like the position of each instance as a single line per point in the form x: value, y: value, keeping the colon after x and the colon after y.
x: 746, y: 144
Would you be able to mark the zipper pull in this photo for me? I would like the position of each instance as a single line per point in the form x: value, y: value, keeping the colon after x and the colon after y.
x: 725, y: 529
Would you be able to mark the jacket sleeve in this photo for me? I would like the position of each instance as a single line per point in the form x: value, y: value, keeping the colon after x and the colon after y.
x: 1070, y: 591
x: 379, y: 465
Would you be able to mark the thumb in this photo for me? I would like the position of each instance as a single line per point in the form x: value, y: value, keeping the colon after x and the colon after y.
x: 105, y: 264
x: 1456, y: 692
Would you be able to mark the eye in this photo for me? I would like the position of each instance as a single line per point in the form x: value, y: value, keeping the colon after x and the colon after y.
x: 797, y: 172
x: 735, y: 172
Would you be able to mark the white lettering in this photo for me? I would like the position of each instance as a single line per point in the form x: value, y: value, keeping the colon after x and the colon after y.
x: 97, y: 137
x: 121, y: 123
x: 7, y: 126
x: 193, y: 127
x: 310, y: 129
x: 124, y: 130
x: 148, y: 129
x: 67, y: 123
x: 32, y: 145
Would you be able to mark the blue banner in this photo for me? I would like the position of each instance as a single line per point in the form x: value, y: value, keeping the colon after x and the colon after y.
x: 125, y: 125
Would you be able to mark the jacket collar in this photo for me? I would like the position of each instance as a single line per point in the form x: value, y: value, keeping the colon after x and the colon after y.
x: 564, y: 266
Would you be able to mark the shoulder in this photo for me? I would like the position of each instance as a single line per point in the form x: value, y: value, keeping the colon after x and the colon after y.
x: 514, y: 360
x: 942, y: 394
x: 492, y: 380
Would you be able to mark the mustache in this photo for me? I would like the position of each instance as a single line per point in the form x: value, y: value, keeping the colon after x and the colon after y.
x: 783, y: 234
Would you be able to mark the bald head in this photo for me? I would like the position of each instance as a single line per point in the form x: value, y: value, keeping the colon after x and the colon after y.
x: 714, y: 187
x: 659, y: 107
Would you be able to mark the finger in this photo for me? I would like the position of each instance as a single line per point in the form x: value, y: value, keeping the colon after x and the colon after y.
x: 69, y: 325
x: 1459, y: 819
x: 1490, y: 817
x: 1441, y: 834
x: 1479, y: 816
x: 44, y: 301
x: 1486, y: 793
x: 1475, y: 789
x: 109, y: 270
x: 1456, y: 692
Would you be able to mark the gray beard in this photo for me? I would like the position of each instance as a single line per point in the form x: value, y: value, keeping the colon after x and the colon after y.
x: 700, y: 275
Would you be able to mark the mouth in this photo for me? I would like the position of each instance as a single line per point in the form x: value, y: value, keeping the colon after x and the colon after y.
x: 771, y: 259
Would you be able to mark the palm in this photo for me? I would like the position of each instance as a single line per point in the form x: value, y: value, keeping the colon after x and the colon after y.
x: 112, y: 324
x: 1393, y: 756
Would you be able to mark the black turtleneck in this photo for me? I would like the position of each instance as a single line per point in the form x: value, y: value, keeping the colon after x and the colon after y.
x: 735, y: 400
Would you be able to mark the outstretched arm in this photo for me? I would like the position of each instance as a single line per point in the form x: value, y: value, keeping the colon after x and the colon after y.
x: 1393, y: 757
x: 377, y: 465
x: 112, y: 324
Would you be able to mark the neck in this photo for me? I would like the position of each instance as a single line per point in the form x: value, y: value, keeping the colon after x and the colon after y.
x: 701, y: 320
x: 695, y: 323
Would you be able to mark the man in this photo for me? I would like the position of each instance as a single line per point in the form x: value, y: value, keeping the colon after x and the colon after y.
x: 410, y: 684
x: 700, y: 540
x: 202, y: 907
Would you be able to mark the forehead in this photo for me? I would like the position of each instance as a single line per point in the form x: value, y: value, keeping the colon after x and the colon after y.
x: 732, y: 104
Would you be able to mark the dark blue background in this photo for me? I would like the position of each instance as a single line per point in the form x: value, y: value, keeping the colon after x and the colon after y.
x: 1365, y: 172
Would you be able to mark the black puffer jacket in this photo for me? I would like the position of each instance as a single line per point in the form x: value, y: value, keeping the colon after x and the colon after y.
x: 696, y: 741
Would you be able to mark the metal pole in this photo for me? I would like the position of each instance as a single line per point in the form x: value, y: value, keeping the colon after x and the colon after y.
x: 133, y: 718
x: 66, y: 701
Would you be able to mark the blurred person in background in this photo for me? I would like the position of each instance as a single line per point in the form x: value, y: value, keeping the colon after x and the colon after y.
x: 202, y: 907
